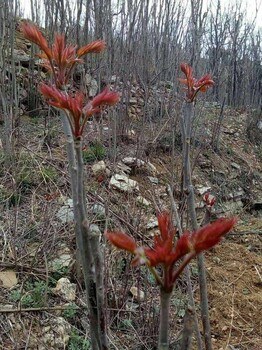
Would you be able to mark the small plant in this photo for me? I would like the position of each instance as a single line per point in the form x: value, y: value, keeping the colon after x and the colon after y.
x: 15, y: 199
x: 96, y: 151
x: 49, y: 174
x: 33, y: 295
x: 10, y: 198
x: 77, y: 342
x: 70, y: 311
x: 59, y: 272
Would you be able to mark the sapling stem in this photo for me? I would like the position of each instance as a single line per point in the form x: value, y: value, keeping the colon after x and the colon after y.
x: 91, y: 262
x: 186, y: 123
x: 192, y: 305
x: 164, y: 319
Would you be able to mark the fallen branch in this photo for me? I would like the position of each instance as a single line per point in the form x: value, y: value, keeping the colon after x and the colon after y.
x: 33, y: 309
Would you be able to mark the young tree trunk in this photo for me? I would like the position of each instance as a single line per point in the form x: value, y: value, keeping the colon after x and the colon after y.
x: 186, y: 122
x: 164, y: 319
x: 87, y: 242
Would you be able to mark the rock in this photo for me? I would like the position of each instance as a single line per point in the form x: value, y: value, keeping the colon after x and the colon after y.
x: 93, y: 89
x: 233, y: 206
x: 154, y: 180
x: 99, y: 168
x: 133, y: 101
x: 122, y: 168
x: 152, y: 223
x: 8, y: 279
x: 138, y: 294
x: 98, y: 209
x: 123, y: 183
x: 21, y: 56
x: 66, y: 214
x: 95, y: 232
x: 143, y: 201
x: 65, y: 289
x: 235, y: 166
x: 134, y: 162
x: 238, y: 194
x: 202, y: 189
x: 91, y: 84
x: 113, y: 79
x: 64, y: 259
x: 152, y: 168
x: 54, y: 336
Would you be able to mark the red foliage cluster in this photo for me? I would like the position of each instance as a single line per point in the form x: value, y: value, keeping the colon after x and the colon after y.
x: 209, y: 199
x: 79, y: 112
x: 167, y: 253
x: 60, y: 60
x: 194, y: 85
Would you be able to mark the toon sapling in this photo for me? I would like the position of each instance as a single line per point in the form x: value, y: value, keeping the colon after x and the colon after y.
x: 193, y: 87
x: 171, y: 256
x: 60, y: 60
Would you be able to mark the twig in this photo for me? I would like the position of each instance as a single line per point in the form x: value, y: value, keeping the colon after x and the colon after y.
x: 232, y: 319
x: 245, y: 233
x: 259, y: 274
x: 15, y: 266
x: 186, y: 342
x: 46, y: 160
x: 29, y: 335
x: 33, y: 309
x: 130, y: 226
x: 233, y: 282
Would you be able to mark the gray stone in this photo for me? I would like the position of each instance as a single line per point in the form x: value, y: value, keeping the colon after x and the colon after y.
x: 91, y: 84
x: 133, y: 101
x: 65, y: 289
x: 99, y: 167
x: 141, y: 200
x: 98, y: 209
x: 235, y: 166
x: 202, y: 189
x: 123, y: 183
x: 233, y: 206
x: 152, y: 223
x: 139, y: 163
x: 66, y: 214
x: 138, y: 294
x: 123, y: 168
x: 154, y: 180
x: 64, y: 259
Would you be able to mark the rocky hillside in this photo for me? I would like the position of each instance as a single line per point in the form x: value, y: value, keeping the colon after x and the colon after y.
x: 126, y: 176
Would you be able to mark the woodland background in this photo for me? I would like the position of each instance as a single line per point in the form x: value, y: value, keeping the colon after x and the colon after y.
x: 146, y: 43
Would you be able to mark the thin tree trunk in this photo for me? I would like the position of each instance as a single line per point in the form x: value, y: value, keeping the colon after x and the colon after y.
x: 192, y: 307
x: 87, y: 242
x: 164, y: 319
x: 186, y: 122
